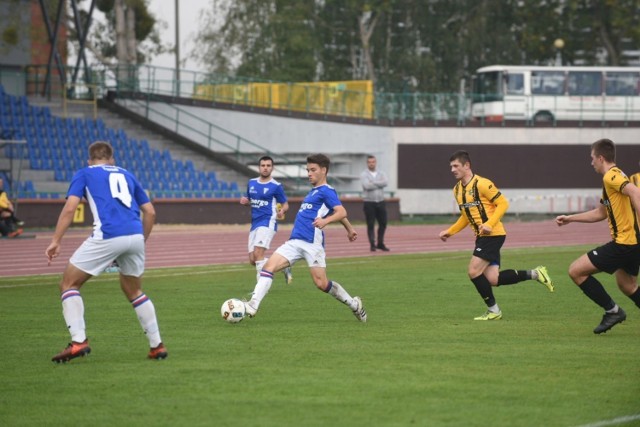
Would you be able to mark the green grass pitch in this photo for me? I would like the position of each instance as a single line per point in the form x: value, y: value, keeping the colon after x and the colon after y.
x: 305, y: 360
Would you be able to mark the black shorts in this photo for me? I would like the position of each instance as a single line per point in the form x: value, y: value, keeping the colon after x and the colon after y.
x: 488, y: 248
x: 614, y: 256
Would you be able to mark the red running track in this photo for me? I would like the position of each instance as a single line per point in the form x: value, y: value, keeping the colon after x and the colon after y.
x: 181, y: 246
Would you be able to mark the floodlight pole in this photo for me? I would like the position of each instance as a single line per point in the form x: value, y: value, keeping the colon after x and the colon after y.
x: 177, y: 47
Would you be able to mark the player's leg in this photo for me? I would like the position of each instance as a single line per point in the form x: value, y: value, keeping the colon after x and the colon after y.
x: 539, y: 274
x: 627, y: 279
x: 335, y: 289
x: 581, y: 272
x: 131, y: 270
x: 483, y: 275
x: 628, y: 284
x: 89, y: 260
x: 277, y: 262
x: 259, y: 259
x: 73, y: 312
x: 146, y: 313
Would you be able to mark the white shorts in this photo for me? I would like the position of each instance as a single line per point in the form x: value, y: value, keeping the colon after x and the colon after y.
x: 295, y: 249
x: 261, y: 237
x: 93, y: 256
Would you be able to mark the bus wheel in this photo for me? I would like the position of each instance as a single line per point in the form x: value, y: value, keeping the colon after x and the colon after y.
x: 543, y: 117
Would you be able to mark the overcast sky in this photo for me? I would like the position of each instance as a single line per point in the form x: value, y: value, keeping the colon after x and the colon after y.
x: 190, y: 11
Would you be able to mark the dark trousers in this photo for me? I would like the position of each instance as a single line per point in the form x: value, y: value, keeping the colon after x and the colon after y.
x: 376, y: 211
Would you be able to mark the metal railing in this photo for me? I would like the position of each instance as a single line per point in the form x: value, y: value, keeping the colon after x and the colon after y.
x: 201, y: 131
x: 329, y: 99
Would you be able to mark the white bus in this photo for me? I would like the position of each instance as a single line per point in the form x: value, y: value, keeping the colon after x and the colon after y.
x: 543, y: 94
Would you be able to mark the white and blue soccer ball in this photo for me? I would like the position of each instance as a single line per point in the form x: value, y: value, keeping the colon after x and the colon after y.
x: 232, y: 310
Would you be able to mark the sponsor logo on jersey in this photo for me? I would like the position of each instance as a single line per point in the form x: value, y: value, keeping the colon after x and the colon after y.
x: 257, y: 203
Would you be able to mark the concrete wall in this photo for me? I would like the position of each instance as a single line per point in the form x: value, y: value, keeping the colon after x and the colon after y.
x: 44, y: 213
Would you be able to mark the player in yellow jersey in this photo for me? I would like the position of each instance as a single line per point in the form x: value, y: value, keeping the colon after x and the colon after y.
x: 482, y: 206
x: 621, y: 256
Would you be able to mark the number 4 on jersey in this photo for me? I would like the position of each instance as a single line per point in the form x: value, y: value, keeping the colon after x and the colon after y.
x: 120, y: 188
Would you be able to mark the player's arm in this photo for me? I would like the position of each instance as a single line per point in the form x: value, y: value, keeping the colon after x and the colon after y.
x: 594, y: 215
x: 634, y: 194
x: 458, y: 226
x: 351, y: 232
x: 501, y: 205
x: 339, y: 213
x: 148, y: 219
x: 64, y: 221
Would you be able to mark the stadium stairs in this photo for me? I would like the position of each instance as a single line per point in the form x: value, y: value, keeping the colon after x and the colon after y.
x: 167, y: 164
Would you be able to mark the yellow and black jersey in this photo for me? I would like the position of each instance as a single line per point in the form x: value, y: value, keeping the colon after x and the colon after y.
x: 635, y: 179
x: 480, y: 202
x: 623, y: 222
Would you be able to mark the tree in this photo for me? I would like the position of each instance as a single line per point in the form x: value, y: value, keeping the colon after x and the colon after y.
x: 138, y: 44
x: 408, y: 45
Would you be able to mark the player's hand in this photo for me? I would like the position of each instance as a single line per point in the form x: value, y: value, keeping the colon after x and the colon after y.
x: 562, y: 220
x: 444, y: 235
x: 244, y: 200
x: 485, y: 229
x: 352, y: 235
x: 52, y: 252
x: 320, y: 223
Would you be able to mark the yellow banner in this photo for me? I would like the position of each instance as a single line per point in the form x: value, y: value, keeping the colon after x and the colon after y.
x: 353, y: 98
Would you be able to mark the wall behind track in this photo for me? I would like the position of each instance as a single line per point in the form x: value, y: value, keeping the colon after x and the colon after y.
x: 44, y: 213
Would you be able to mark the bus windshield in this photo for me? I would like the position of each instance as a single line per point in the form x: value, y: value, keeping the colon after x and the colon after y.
x: 487, y: 87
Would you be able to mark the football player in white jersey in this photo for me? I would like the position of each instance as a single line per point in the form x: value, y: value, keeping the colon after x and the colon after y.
x: 116, y: 199
x: 319, y: 208
x: 268, y: 204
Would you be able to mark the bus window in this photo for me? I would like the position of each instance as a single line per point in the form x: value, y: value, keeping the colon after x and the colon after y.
x: 515, y: 84
x: 622, y: 84
x: 547, y: 83
x: 584, y: 83
x: 487, y: 87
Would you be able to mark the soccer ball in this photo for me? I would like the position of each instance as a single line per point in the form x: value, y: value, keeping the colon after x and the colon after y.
x: 232, y: 310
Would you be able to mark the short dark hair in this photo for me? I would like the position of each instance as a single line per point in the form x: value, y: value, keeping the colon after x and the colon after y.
x: 606, y: 148
x: 100, y: 150
x: 371, y: 156
x: 264, y: 158
x: 462, y: 156
x: 320, y: 160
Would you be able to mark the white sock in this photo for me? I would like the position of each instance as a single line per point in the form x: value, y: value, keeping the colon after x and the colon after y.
x: 614, y: 309
x: 341, y: 295
x: 262, y: 288
x: 146, y: 313
x: 259, y: 265
x: 73, y: 312
x: 494, y: 309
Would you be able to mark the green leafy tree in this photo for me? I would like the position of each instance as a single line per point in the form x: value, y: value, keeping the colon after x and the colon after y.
x: 147, y: 32
x: 408, y: 45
